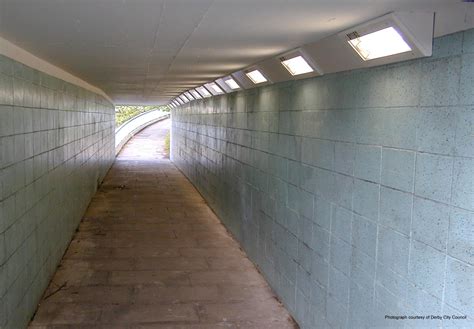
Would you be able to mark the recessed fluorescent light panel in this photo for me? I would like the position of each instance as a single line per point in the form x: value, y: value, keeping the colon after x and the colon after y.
x: 381, y: 43
x: 203, y: 91
x: 180, y: 102
x: 188, y: 95
x: 391, y: 38
x: 232, y: 84
x: 296, y: 65
x: 215, y: 88
x: 256, y: 76
x: 195, y: 94
x: 183, y: 98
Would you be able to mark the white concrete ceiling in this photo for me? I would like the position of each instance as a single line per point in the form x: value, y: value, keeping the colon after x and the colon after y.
x: 148, y: 51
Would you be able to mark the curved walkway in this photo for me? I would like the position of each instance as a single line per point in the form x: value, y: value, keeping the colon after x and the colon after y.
x: 149, y: 253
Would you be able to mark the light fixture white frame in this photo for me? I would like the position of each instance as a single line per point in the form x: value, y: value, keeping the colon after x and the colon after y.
x: 184, y: 98
x: 414, y: 28
x: 284, y: 60
x: 189, y: 96
x: 300, y: 52
x: 288, y: 64
x: 221, y: 82
x: 251, y: 70
x: 231, y: 83
x: 178, y: 99
x: 202, y: 90
x: 211, y: 88
x: 195, y: 94
x: 385, y: 43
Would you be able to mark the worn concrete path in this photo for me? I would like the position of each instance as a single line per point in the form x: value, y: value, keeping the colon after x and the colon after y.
x: 149, y: 253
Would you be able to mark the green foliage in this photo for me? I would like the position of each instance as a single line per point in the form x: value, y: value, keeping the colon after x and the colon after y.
x: 167, y: 144
x: 126, y: 112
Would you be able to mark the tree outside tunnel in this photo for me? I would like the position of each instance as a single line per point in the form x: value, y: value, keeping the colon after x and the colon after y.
x: 124, y: 113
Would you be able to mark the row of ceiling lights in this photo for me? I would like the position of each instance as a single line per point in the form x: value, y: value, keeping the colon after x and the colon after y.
x: 380, y: 40
x: 296, y: 66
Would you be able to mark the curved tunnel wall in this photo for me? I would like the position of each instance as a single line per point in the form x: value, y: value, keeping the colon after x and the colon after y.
x: 57, y: 143
x: 353, y: 192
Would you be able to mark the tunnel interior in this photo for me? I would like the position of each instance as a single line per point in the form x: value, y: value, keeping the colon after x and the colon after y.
x: 311, y: 182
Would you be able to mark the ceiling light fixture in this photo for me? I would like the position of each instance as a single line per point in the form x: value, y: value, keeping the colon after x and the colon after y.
x: 189, y: 95
x: 203, y: 91
x: 296, y: 65
x: 232, y: 84
x: 381, y: 43
x: 256, y: 76
x: 195, y: 94
x: 216, y: 88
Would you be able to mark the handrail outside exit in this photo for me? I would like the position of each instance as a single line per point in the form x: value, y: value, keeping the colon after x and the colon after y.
x: 132, y: 126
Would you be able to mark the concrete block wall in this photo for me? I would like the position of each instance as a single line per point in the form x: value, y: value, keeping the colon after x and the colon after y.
x: 56, y: 144
x: 352, y: 192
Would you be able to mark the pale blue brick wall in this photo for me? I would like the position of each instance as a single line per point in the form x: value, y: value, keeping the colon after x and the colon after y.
x: 353, y: 192
x: 56, y: 144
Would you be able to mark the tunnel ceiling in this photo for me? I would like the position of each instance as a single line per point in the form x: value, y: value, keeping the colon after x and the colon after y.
x: 148, y: 51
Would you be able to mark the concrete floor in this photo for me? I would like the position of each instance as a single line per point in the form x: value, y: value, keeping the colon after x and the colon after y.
x: 149, y: 253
